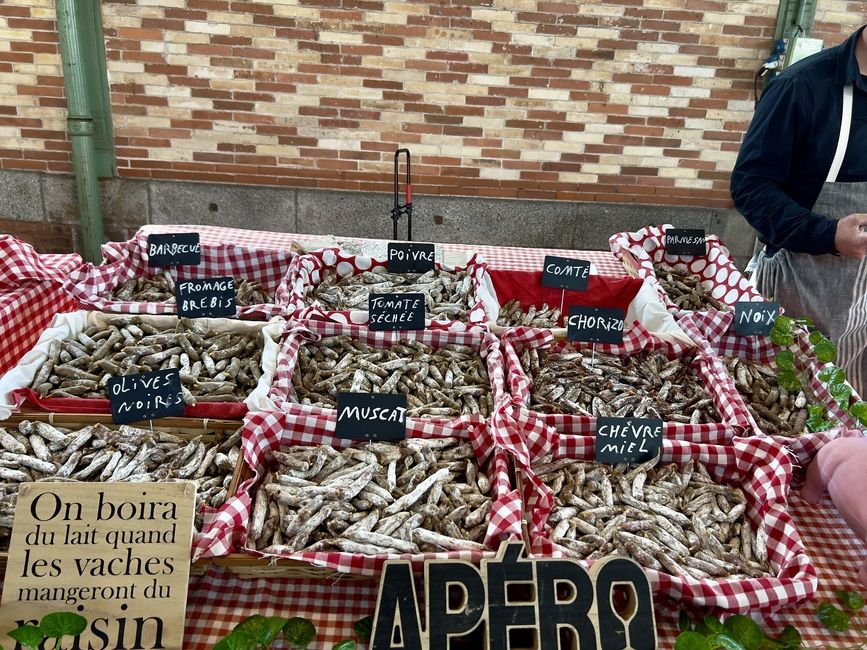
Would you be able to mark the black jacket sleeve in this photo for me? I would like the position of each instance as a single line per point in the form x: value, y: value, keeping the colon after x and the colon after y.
x: 763, y: 166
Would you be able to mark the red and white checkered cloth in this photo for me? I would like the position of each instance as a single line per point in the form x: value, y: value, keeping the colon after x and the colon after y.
x: 92, y: 285
x: 265, y: 432
x: 500, y: 257
x: 20, y: 263
x: 308, y: 271
x: 25, y: 312
x: 646, y: 247
x: 762, y: 469
x: 712, y: 332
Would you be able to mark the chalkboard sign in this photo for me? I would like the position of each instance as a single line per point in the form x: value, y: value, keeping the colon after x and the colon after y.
x: 565, y: 273
x: 212, y: 297
x: 627, y: 440
x: 146, y: 396
x: 595, y: 324
x: 173, y: 250
x: 410, y: 258
x: 369, y: 416
x: 395, y: 311
x: 755, y: 317
x: 685, y: 241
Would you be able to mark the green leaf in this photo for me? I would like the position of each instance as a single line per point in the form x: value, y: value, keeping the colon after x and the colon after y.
x: 816, y: 336
x: 851, y: 599
x: 691, y: 641
x: 346, y: 644
x: 841, y: 393
x: 745, y: 630
x: 299, y: 632
x: 60, y: 624
x: 683, y: 622
x: 834, y: 618
x: 785, y: 359
x: 364, y: 628
x: 832, y: 375
x: 725, y: 641
x: 781, y: 338
x: 713, y: 624
x: 788, y: 379
x: 825, y: 351
x: 783, y: 324
x: 790, y: 638
x: 261, y: 630
x: 858, y: 410
x: 29, y: 636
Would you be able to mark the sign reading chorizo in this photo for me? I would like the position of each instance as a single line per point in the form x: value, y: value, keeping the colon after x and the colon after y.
x: 146, y: 396
x: 565, y: 273
x: 371, y: 416
x: 395, y: 311
x: 685, y: 241
x: 410, y: 258
x: 461, y: 600
x: 211, y: 297
x: 595, y: 324
x: 174, y: 249
x: 755, y: 317
x: 627, y: 440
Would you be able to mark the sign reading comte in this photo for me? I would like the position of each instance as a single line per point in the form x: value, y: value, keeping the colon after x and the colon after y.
x: 117, y: 554
x: 558, y: 595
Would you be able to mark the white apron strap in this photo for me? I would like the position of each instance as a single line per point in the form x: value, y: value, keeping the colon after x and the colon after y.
x: 843, y: 141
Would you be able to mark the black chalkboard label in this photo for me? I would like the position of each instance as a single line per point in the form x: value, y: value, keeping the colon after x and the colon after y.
x: 173, y: 250
x: 755, y: 317
x: 395, y: 311
x: 595, y: 324
x: 212, y: 297
x: 369, y: 416
x: 146, y: 396
x: 627, y: 440
x: 410, y: 258
x: 685, y: 241
x: 565, y: 273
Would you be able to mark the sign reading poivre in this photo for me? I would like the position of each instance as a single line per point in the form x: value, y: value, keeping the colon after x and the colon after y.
x: 595, y: 324
x: 211, y: 297
x: 117, y: 555
x: 755, y: 317
x: 685, y: 241
x: 627, y: 440
x: 146, y: 396
x: 410, y: 258
x: 174, y: 249
x: 565, y: 273
x: 371, y: 416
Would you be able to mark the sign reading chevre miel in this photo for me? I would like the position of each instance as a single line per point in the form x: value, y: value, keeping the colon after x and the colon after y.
x: 118, y: 555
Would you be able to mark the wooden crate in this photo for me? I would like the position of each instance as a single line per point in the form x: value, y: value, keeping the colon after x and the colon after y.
x: 188, y: 428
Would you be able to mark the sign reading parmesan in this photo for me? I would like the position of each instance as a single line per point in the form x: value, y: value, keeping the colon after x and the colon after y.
x: 118, y: 555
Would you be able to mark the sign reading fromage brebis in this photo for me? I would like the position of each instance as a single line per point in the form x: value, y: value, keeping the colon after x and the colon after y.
x: 461, y: 600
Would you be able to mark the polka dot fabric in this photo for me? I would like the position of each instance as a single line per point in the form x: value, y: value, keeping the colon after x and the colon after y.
x: 646, y: 247
x: 307, y: 271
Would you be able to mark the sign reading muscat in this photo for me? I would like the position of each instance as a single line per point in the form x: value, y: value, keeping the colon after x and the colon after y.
x: 117, y: 555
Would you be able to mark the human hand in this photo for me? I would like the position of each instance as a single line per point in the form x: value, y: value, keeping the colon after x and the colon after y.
x: 851, y: 237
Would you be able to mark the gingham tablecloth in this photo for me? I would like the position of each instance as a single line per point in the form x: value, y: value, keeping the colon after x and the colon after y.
x: 498, y: 257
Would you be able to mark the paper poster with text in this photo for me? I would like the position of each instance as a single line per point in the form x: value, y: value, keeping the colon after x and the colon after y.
x: 117, y: 554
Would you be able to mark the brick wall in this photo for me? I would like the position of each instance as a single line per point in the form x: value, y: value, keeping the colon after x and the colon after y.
x: 641, y: 101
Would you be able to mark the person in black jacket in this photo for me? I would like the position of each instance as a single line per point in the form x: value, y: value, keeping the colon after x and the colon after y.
x: 801, y: 181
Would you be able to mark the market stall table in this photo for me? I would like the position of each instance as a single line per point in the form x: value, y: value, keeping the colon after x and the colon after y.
x: 219, y: 599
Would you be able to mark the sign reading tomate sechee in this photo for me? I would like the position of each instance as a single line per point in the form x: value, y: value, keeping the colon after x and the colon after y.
x: 117, y: 555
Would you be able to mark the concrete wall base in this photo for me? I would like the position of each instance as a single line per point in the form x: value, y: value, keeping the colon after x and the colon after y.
x: 28, y: 198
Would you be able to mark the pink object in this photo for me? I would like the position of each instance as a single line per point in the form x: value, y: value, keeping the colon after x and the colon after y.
x: 840, y: 467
